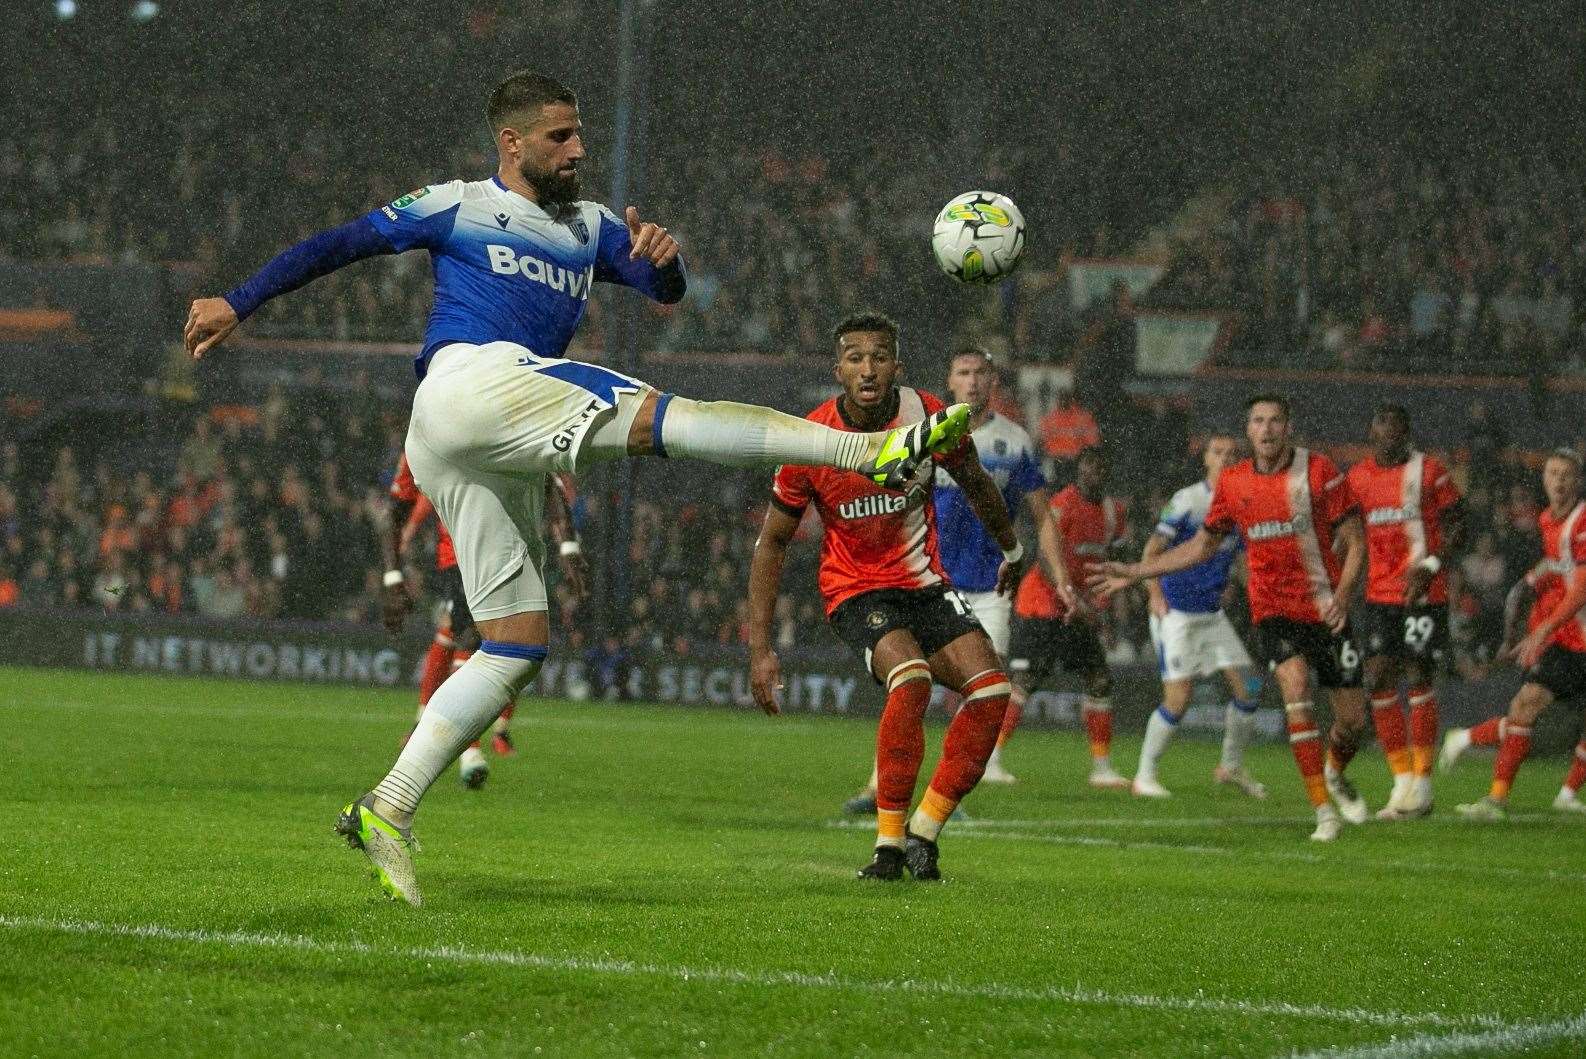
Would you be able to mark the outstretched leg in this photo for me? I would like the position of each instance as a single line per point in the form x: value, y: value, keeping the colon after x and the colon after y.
x: 745, y: 435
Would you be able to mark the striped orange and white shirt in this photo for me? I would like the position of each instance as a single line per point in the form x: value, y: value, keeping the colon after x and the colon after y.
x: 1287, y: 519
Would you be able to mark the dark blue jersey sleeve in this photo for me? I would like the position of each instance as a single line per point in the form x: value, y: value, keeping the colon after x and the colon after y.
x: 613, y: 265
x: 315, y: 256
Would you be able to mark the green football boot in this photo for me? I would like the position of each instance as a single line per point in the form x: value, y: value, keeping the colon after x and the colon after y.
x: 389, y: 848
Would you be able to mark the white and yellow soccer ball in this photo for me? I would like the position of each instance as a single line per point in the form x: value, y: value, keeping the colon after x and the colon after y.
x: 979, y: 237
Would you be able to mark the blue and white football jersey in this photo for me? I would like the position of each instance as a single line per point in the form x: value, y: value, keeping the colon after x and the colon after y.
x: 1198, y: 590
x: 505, y: 268
x: 969, y: 553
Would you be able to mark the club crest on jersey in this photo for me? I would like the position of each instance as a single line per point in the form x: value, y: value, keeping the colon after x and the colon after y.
x: 873, y: 505
x: 876, y: 619
x: 579, y: 229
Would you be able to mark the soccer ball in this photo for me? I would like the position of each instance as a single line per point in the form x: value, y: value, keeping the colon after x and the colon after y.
x: 978, y: 237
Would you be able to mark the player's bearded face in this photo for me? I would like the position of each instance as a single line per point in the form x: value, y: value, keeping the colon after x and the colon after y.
x: 555, y: 183
x: 552, y: 151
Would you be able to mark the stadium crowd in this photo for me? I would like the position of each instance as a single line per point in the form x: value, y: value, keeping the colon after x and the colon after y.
x: 278, y: 511
x: 1393, y: 261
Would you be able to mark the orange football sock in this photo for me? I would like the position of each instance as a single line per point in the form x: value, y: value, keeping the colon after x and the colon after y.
x: 1389, y: 719
x: 1098, y: 725
x: 1423, y: 730
x: 890, y: 827
x: 900, y: 737
x: 929, y: 818
x: 1011, y: 716
x: 970, y: 738
x: 437, y: 666
x: 1305, y: 739
x: 1577, y: 769
x: 1488, y: 732
x: 1516, y: 745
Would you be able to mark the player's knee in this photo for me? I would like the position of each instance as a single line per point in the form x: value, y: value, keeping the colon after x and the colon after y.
x: 512, y: 664
x: 466, y: 639
x: 987, y: 684
x: 1529, y: 703
x: 914, y: 669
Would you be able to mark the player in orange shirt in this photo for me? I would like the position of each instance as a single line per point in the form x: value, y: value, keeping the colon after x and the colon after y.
x: 888, y: 598
x: 1413, y: 516
x: 1055, y: 624
x: 1292, y: 506
x: 1535, y: 595
x: 1553, y: 652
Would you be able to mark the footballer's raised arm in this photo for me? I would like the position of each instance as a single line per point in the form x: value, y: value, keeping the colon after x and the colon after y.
x: 422, y: 217
x: 641, y: 255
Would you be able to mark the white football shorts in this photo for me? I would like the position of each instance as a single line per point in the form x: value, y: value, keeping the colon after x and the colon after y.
x: 1191, y: 646
x: 489, y: 423
x: 995, y: 614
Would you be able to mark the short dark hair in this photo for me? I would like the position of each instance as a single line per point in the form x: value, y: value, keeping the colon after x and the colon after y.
x: 1394, y: 411
x: 1268, y: 397
x: 867, y: 320
x: 523, y: 91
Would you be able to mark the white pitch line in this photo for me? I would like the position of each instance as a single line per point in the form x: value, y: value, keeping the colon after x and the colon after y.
x: 1427, y: 867
x: 1079, y: 995
x: 1485, y: 1042
x: 1297, y: 820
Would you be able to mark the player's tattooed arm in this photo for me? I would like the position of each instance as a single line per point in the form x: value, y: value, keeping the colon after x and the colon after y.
x: 765, y: 577
x: 985, y: 499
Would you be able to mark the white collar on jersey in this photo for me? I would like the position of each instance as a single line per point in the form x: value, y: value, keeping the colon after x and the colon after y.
x: 526, y: 202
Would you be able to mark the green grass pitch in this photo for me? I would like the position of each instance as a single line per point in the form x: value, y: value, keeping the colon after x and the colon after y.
x: 652, y: 881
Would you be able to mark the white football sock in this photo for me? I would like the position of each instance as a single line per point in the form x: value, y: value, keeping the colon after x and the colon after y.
x: 746, y: 435
x: 1239, y: 727
x: 460, y: 711
x: 1158, y: 733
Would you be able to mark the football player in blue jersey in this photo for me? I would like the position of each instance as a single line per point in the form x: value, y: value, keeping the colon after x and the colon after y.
x: 968, y: 551
x: 497, y: 408
x: 1194, y: 638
